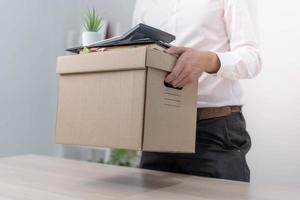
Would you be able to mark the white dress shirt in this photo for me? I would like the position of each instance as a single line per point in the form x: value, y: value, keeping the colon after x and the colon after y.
x: 223, y: 26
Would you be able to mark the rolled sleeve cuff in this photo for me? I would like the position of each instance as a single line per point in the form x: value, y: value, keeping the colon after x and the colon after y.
x: 228, y: 62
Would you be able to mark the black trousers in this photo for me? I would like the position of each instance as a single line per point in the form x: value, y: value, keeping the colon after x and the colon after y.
x: 221, y: 146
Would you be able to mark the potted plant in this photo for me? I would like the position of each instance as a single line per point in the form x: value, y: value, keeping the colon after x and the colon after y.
x: 92, y: 24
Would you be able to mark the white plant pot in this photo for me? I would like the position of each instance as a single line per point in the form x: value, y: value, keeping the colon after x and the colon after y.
x: 90, y: 38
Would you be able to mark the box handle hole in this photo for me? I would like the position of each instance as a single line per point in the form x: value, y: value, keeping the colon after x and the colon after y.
x: 168, y: 85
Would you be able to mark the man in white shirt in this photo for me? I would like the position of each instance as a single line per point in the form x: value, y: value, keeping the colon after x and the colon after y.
x: 217, y: 45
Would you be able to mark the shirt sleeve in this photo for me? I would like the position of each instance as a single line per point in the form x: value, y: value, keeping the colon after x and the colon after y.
x: 137, y: 18
x: 243, y: 60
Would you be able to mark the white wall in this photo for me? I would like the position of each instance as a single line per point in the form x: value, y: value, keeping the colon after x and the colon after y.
x: 272, y: 99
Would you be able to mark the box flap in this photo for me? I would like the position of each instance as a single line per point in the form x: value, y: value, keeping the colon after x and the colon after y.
x: 115, y: 60
x: 158, y: 59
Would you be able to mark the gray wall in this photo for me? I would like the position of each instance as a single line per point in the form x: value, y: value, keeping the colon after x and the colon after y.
x: 33, y: 33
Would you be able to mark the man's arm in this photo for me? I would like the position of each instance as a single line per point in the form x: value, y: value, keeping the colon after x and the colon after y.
x: 191, y: 64
x: 242, y: 61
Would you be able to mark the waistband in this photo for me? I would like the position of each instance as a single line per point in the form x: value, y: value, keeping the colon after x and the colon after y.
x: 208, y: 113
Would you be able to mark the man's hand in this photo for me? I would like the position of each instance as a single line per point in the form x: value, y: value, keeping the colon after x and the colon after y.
x: 190, y: 65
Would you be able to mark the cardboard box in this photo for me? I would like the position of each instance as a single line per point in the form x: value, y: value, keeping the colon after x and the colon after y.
x: 118, y: 99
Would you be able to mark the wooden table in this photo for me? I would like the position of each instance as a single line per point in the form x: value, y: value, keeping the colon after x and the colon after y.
x: 44, y: 178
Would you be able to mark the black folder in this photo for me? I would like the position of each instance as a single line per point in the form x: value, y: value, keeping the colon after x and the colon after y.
x: 140, y: 34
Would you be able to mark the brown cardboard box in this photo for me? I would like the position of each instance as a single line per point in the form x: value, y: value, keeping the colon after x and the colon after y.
x: 118, y: 99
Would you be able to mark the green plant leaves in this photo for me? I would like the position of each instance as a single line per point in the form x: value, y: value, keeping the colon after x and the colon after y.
x: 122, y: 157
x: 92, y: 21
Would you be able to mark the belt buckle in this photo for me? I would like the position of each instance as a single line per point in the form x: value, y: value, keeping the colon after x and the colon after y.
x: 227, y: 110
